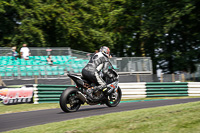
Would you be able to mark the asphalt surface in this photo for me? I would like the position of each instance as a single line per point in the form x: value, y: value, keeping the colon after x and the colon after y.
x: 26, y: 119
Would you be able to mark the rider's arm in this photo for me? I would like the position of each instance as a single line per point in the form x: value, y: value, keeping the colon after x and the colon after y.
x: 105, y: 69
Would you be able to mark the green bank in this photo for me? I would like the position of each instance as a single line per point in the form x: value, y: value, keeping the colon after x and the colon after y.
x: 181, y: 118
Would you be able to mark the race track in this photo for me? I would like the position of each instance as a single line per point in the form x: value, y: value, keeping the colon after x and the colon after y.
x: 26, y: 119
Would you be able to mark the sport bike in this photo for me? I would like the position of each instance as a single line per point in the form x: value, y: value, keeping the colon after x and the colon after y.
x: 73, y: 97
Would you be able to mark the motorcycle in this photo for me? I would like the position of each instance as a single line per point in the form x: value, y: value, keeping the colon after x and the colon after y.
x: 73, y: 97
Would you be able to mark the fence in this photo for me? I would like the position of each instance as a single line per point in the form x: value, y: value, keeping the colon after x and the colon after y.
x: 124, y: 64
x: 41, y: 51
x: 5, y: 51
x: 133, y: 64
x: 44, y: 51
x: 51, y: 93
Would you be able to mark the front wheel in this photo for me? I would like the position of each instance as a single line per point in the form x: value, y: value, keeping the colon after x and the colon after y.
x: 114, y: 98
x: 69, y: 101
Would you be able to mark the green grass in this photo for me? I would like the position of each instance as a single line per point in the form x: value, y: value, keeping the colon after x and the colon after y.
x: 26, y: 107
x: 182, y: 118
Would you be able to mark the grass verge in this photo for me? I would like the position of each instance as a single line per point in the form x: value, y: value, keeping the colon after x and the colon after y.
x: 181, y: 118
x: 4, y: 109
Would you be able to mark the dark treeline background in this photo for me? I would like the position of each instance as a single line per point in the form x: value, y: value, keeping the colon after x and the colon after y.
x: 165, y: 30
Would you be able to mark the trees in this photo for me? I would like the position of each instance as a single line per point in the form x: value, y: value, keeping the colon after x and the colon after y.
x: 168, y: 34
x: 176, y: 37
x: 167, y: 31
x: 80, y: 24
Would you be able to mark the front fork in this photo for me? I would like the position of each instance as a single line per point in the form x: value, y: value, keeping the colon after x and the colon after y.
x: 112, y: 90
x: 113, y: 87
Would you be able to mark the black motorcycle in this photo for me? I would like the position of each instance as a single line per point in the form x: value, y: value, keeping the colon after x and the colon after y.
x: 72, y: 98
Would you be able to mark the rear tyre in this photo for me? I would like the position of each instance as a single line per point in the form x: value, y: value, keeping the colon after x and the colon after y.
x: 114, y: 98
x: 69, y: 101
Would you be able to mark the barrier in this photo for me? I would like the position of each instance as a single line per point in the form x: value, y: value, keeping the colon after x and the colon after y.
x: 48, y: 93
x: 51, y: 93
x: 158, y: 89
x: 14, y: 95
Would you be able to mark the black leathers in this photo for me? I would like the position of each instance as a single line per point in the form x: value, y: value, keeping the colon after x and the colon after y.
x: 91, y: 72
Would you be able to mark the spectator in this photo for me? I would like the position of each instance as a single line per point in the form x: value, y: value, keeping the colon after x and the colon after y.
x: 14, y: 53
x: 49, y: 60
x: 25, y: 52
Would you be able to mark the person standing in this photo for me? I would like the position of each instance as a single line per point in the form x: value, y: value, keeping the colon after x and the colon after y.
x: 25, y: 52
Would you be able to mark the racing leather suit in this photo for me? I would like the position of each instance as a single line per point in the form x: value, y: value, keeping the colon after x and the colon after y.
x: 91, y: 72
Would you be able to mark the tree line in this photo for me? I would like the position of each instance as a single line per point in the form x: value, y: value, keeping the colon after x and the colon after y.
x: 165, y: 30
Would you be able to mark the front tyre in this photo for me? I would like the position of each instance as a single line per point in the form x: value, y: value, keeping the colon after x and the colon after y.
x: 114, y: 98
x: 69, y: 101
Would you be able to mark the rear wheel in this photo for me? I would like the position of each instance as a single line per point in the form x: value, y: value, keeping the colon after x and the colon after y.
x: 69, y: 101
x: 114, y: 98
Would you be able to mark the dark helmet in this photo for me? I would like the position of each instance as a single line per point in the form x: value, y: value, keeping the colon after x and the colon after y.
x: 105, y: 50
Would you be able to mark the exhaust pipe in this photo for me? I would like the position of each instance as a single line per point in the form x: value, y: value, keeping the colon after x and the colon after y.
x: 81, y: 97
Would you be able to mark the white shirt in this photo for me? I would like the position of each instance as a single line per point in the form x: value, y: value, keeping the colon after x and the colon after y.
x: 25, y: 52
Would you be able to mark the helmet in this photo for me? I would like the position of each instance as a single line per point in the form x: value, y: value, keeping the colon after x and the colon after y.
x: 105, y: 50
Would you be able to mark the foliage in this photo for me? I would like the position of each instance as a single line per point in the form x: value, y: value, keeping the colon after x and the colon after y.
x: 167, y: 31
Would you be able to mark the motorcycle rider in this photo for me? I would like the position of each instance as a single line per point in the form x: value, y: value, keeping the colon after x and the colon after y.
x: 98, y: 63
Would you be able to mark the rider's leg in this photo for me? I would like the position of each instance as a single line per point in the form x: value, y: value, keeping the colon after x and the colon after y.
x: 93, y: 77
x: 100, y: 83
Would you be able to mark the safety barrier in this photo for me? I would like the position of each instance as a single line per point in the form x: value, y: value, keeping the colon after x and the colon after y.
x: 48, y: 93
x: 51, y: 93
x: 157, y: 89
x: 16, y: 94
